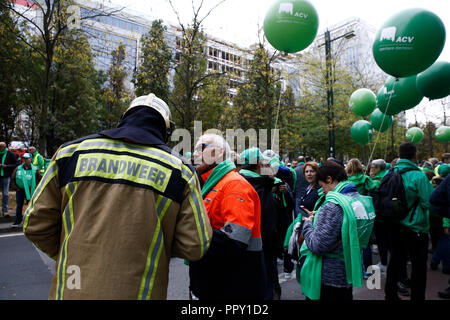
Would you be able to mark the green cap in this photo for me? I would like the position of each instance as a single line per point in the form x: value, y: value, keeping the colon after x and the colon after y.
x: 251, y: 156
x: 444, y: 170
x: 27, y: 156
x: 276, y: 162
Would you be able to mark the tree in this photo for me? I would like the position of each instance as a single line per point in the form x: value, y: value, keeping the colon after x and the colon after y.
x: 42, y: 38
x: 12, y: 71
x: 116, y: 94
x: 75, y: 108
x: 191, y: 79
x: 285, y: 121
x: 152, y: 76
x: 211, y: 103
x: 256, y: 102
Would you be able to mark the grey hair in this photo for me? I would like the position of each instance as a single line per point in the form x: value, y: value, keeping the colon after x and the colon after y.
x: 219, y: 142
x: 427, y: 164
x: 379, y: 163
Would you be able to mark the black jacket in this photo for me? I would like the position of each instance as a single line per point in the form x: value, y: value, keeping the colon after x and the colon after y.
x: 284, y: 214
x: 11, y: 162
x: 300, y: 187
x: 440, y: 198
x: 269, y: 217
x: 309, y: 199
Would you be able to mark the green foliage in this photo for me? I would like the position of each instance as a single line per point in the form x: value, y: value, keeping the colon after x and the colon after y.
x: 256, y: 103
x: 212, y: 102
x: 116, y: 95
x: 429, y: 146
x: 152, y: 76
x: 189, y: 77
x: 12, y: 54
x: 75, y: 109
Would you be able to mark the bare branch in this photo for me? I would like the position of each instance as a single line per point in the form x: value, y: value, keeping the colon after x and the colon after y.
x: 211, y: 10
x: 22, y: 15
x: 178, y: 15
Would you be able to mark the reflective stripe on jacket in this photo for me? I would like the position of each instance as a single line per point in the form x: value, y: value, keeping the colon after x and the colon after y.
x: 116, y: 212
x: 233, y: 267
x: 233, y: 206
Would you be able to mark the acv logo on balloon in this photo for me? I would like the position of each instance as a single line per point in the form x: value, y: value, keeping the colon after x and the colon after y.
x: 389, y: 34
x: 289, y: 8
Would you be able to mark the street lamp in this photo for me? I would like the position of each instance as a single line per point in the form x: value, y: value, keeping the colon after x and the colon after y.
x: 329, y: 82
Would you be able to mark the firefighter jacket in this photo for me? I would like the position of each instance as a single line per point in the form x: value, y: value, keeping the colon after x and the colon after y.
x: 233, y: 267
x: 112, y: 213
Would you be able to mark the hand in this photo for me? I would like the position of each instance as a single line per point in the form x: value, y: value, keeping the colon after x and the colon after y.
x: 3, y: 165
x: 446, y: 231
x: 283, y: 188
x: 310, y: 213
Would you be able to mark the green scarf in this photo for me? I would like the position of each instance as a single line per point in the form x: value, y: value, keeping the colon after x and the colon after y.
x: 380, y: 175
x: 216, y: 175
x: 362, y: 181
x: 277, y: 180
x: 3, y: 155
x: 29, y: 190
x: 319, y: 200
x: 311, y: 273
x: 295, y: 179
x: 249, y: 173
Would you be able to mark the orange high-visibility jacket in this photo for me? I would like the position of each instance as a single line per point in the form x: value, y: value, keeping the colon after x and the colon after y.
x: 234, y: 207
x: 233, y: 267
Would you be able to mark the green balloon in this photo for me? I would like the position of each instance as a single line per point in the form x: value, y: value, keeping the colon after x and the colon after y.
x: 398, y: 95
x: 434, y: 83
x: 291, y: 25
x: 442, y: 134
x: 409, y: 42
x: 362, y: 132
x: 363, y: 102
x: 380, y: 121
x: 414, y: 134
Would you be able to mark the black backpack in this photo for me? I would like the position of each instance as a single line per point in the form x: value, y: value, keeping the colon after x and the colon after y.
x: 390, y: 201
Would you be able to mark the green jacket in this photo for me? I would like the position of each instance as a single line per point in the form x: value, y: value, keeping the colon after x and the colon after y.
x: 416, y: 186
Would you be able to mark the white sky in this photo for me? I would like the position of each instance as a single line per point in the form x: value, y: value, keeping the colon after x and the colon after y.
x: 237, y: 21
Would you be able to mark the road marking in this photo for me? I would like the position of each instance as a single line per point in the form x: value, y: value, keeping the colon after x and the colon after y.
x: 11, y: 235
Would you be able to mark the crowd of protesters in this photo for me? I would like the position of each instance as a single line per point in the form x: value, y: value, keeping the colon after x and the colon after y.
x: 289, y: 196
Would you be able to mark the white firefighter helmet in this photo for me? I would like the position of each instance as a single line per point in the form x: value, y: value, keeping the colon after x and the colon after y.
x: 155, y: 103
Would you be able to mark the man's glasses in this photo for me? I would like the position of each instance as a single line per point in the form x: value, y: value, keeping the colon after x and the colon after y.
x: 202, y: 147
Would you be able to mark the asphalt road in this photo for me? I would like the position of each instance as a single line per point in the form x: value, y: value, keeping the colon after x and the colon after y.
x: 25, y: 274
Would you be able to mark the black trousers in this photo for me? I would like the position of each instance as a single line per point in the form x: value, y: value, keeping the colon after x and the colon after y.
x: 329, y: 293
x: 383, y: 240
x: 404, y: 242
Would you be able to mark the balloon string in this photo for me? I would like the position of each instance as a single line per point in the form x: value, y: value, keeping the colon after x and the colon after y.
x: 385, y: 149
x: 382, y: 121
x: 278, y: 113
